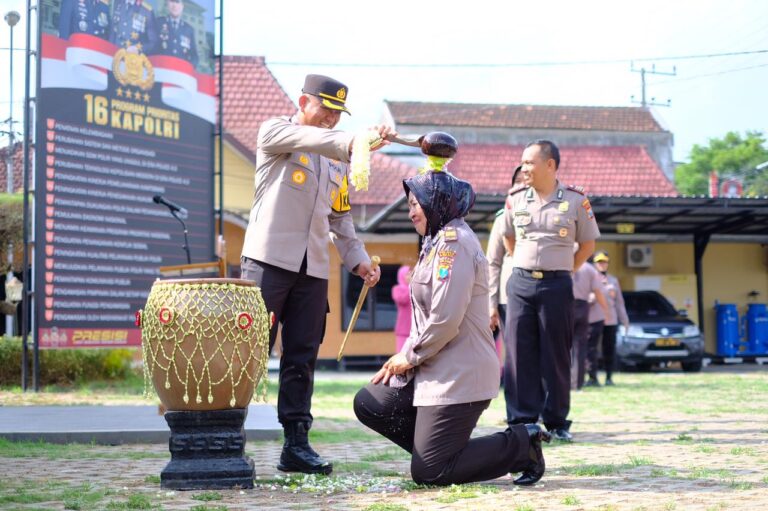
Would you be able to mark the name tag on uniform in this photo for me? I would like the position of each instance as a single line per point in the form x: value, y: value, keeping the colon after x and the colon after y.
x: 563, y: 207
x: 522, y: 220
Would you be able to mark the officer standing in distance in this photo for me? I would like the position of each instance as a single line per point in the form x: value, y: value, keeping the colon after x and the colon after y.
x: 301, y: 202
x: 176, y: 37
x: 543, y: 221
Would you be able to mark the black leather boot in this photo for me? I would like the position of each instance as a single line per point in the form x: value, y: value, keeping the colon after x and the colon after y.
x: 536, y: 466
x: 298, y: 455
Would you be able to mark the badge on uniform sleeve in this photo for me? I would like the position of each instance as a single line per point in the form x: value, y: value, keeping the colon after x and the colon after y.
x: 341, y: 201
x: 444, y: 264
x: 586, y: 205
x: 563, y: 207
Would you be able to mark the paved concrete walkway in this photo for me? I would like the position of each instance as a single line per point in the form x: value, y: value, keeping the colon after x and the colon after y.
x: 112, y: 425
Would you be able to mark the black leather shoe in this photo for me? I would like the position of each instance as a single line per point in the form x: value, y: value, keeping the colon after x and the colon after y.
x: 592, y: 382
x: 298, y: 455
x: 536, y: 466
x: 609, y: 382
x: 561, y: 434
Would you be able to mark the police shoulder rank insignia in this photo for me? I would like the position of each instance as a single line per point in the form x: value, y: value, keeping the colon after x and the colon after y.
x: 577, y: 189
x: 445, y: 259
x: 450, y: 234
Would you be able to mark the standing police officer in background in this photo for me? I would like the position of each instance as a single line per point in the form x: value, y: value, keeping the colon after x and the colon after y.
x: 586, y: 281
x: 133, y: 26
x: 543, y: 221
x: 301, y: 202
x: 85, y: 17
x: 499, y: 271
x: 614, y: 313
x: 176, y: 37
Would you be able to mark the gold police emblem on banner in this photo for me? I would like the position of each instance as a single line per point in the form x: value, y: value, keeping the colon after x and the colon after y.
x: 133, y: 69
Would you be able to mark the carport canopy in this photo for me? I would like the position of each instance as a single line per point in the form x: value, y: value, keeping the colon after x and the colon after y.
x: 631, y: 218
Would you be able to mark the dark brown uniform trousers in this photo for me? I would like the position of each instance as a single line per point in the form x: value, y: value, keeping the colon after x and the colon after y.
x: 539, y: 335
x: 438, y: 437
x: 300, y: 303
x: 595, y: 339
x: 580, y: 343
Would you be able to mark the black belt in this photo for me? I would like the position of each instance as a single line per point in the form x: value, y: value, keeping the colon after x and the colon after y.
x: 542, y: 274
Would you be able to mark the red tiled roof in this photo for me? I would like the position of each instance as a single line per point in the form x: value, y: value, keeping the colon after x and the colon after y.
x: 251, y: 96
x: 598, y: 118
x: 385, y: 182
x: 601, y: 170
x: 18, y: 167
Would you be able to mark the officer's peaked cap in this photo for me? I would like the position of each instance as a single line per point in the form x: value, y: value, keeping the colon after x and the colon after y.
x: 331, y: 92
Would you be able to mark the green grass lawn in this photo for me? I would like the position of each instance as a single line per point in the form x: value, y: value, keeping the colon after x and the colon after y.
x: 674, y: 406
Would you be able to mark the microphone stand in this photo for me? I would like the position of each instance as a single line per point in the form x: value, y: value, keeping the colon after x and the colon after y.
x: 186, y: 241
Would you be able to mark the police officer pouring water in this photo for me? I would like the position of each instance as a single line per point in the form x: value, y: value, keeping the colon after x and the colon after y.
x: 543, y: 220
x: 301, y: 203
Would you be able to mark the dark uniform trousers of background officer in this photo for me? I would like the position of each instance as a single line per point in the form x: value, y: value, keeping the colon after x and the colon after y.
x: 540, y: 326
x: 580, y: 342
x: 596, y: 330
x: 300, y: 304
x: 434, y: 432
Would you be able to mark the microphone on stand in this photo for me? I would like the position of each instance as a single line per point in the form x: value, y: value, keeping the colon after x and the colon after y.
x: 175, y: 208
x: 159, y: 199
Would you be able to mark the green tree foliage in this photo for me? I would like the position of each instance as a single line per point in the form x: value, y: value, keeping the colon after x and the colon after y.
x: 10, y: 227
x: 731, y: 156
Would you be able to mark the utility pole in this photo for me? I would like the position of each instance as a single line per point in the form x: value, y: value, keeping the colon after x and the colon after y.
x: 12, y: 18
x: 643, y: 102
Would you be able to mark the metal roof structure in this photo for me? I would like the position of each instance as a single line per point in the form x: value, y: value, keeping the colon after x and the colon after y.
x: 698, y: 220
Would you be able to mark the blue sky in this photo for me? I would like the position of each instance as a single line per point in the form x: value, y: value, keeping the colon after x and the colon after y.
x: 710, y: 96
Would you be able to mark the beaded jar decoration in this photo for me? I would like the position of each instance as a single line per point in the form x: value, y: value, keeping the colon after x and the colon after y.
x: 205, y: 343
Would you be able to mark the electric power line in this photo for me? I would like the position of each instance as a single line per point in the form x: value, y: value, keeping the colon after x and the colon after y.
x: 712, y: 74
x: 519, y: 64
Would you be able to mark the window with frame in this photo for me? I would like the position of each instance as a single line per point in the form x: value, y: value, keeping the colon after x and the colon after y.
x: 379, y: 312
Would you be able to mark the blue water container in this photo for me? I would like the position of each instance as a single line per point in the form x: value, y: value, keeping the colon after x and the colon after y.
x: 727, y: 329
x: 757, y: 329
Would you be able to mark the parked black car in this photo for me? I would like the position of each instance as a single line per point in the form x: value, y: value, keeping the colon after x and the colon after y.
x: 657, y: 333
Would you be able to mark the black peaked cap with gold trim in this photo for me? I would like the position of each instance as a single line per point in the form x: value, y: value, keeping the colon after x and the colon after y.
x: 331, y: 92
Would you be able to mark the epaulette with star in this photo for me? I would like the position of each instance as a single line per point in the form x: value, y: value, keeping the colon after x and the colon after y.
x: 577, y: 189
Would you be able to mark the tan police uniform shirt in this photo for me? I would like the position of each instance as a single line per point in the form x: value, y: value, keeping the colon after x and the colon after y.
x: 545, y: 228
x: 450, y: 342
x: 301, y: 199
x: 585, y: 280
x: 499, y: 263
x: 617, y: 312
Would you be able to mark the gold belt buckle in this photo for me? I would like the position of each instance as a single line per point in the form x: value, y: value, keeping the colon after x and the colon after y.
x: 536, y: 274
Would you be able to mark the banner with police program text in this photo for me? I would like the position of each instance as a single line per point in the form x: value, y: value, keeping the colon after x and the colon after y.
x: 126, y: 111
